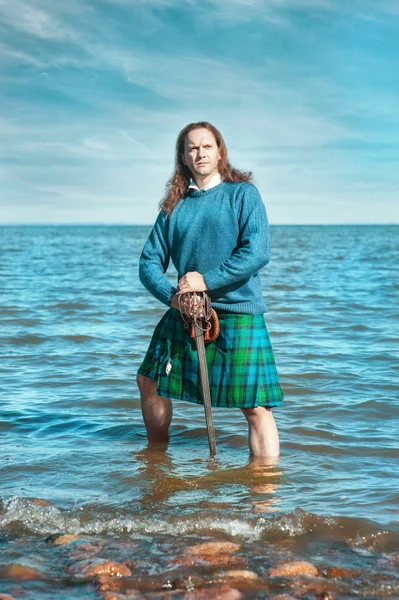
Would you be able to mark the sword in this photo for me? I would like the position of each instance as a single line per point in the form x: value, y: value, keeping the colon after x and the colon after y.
x: 206, y: 393
x: 194, y: 316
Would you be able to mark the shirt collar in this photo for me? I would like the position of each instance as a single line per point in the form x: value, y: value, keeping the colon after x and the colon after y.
x: 215, y: 180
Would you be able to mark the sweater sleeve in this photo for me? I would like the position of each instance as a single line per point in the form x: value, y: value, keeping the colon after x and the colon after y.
x: 154, y: 261
x: 253, y: 251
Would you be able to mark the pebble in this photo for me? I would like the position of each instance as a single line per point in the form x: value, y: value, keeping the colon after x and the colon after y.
x: 107, y: 583
x: 294, y: 568
x: 220, y: 593
x: 333, y: 572
x: 40, y: 502
x: 283, y: 597
x: 21, y: 572
x: 90, y: 568
x: 219, y: 554
x: 213, y: 548
x: 131, y: 596
x: 63, y: 539
x: 84, y: 551
x: 241, y: 574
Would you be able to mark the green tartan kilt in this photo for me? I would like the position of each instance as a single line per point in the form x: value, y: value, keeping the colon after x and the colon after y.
x: 241, y: 367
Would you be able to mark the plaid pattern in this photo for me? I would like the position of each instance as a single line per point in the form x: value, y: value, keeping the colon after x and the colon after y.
x: 241, y: 367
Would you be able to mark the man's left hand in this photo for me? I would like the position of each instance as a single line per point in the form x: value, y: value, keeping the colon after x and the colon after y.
x: 191, y: 282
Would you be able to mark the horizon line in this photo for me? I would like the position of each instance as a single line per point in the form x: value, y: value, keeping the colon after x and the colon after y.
x: 152, y: 224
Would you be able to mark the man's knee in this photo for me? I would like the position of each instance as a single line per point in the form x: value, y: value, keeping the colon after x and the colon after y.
x: 145, y: 384
x: 254, y: 414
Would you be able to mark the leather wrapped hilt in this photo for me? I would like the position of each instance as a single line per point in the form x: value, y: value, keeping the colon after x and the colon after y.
x: 195, y: 307
x: 212, y: 333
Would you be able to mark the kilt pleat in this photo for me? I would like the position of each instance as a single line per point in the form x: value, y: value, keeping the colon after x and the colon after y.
x: 241, y: 366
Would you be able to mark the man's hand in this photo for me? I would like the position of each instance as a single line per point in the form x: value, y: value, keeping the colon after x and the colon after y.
x: 191, y: 282
x: 174, y: 302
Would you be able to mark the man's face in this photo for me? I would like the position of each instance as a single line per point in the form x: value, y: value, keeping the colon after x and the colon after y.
x: 201, y: 153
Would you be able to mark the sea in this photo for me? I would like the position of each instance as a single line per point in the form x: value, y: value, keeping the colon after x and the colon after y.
x: 89, y: 510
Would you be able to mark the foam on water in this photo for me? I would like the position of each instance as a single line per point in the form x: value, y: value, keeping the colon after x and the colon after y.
x: 22, y: 515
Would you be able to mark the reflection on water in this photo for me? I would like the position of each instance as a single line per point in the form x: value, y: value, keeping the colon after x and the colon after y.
x: 161, y: 480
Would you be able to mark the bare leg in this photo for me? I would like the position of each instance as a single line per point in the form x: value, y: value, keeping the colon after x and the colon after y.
x: 263, y: 437
x: 157, y: 410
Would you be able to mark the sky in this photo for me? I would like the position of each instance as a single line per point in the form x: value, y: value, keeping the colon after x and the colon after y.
x: 94, y: 94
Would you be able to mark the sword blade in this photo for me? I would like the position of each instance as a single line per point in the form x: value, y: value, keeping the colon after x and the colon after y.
x: 200, y: 344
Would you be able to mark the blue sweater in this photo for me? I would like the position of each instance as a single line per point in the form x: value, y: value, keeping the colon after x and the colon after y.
x: 222, y: 233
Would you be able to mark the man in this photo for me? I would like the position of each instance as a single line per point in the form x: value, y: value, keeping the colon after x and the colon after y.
x: 213, y: 225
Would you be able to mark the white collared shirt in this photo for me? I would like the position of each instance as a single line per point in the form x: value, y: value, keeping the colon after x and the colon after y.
x: 215, y: 180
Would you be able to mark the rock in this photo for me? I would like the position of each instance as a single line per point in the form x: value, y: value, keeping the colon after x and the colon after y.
x: 325, y: 596
x: 131, y: 596
x: 17, y: 571
x: 294, y: 568
x: 243, y: 575
x: 107, y: 583
x: 214, y: 553
x: 64, y: 539
x: 217, y: 560
x: 333, y: 572
x: 283, y: 597
x: 90, y: 568
x: 6, y: 597
x: 84, y: 550
x: 40, y: 502
x: 213, y: 593
x: 213, y: 548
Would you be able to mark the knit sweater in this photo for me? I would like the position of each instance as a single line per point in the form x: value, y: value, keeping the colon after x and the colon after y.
x: 222, y: 233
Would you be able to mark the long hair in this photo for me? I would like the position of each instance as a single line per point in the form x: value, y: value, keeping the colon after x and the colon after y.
x: 177, y: 185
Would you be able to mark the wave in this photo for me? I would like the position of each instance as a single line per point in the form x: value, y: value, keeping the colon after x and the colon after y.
x: 22, y: 516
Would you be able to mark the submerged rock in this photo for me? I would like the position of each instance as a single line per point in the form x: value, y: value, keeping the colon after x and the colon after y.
x: 108, y: 583
x: 294, y: 568
x: 40, y: 502
x: 6, y: 597
x: 63, y: 538
x: 17, y: 571
x: 219, y: 554
x: 241, y: 574
x: 220, y: 593
x: 213, y: 548
x: 115, y: 596
x: 90, y: 568
x: 129, y: 596
x: 333, y: 572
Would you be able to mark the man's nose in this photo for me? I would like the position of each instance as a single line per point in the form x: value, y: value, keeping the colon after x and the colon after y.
x: 201, y: 152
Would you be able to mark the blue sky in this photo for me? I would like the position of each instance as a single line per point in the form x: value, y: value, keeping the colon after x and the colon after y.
x: 94, y: 93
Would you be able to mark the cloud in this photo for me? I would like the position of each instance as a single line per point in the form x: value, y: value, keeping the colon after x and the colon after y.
x: 34, y: 21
